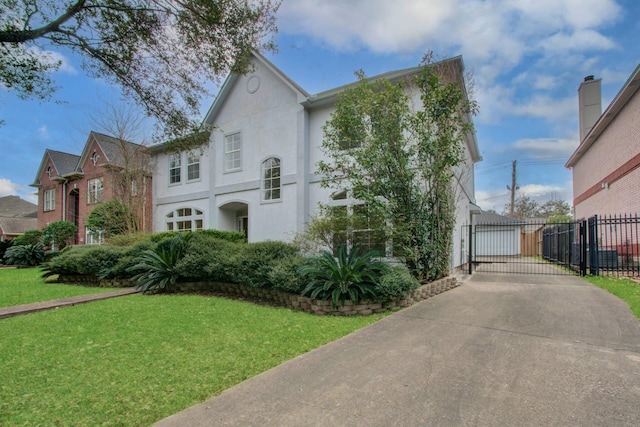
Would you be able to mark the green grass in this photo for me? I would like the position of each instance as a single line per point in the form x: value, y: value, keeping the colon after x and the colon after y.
x: 625, y: 289
x: 137, y: 359
x: 25, y: 286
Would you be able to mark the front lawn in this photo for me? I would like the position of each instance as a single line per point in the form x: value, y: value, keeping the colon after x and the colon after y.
x: 625, y: 289
x: 25, y: 286
x: 137, y: 359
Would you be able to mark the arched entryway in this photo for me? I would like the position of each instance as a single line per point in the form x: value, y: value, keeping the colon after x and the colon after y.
x: 234, y: 216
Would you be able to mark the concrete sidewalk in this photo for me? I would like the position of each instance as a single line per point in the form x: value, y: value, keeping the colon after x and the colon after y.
x: 498, y: 350
x: 18, y: 310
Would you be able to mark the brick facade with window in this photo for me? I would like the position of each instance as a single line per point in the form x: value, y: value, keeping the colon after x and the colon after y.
x: 81, y: 182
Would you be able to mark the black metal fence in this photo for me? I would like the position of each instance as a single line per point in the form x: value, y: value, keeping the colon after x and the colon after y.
x: 601, y: 245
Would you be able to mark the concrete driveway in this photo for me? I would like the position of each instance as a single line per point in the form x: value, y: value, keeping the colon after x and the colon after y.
x: 498, y: 350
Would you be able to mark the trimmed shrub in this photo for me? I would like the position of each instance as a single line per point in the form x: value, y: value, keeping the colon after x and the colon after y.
x: 128, y: 259
x: 59, y: 234
x: 24, y: 255
x: 253, y: 263
x: 396, y: 282
x: 83, y: 260
x: 163, y: 235
x: 30, y: 237
x: 207, y: 257
x: 285, y: 275
x: 129, y: 239
x: 4, y: 245
x: 230, y: 236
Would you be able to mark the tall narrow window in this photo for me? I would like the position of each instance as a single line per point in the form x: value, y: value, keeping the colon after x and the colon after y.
x: 49, y: 200
x: 271, y: 179
x: 193, y: 167
x: 175, y: 171
x: 95, y: 188
x: 232, y: 152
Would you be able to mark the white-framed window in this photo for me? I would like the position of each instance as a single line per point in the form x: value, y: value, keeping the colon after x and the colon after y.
x: 175, y: 169
x: 93, y: 237
x: 233, y: 152
x: 193, y: 167
x: 271, y: 183
x: 95, y: 188
x: 49, y: 200
x: 185, y: 219
x: 357, y: 225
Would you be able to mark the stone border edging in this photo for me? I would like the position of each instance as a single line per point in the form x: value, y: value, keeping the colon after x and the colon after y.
x: 294, y: 301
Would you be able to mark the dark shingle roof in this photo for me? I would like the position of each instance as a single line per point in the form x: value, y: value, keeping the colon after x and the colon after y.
x: 112, y: 147
x: 14, y: 207
x: 64, y: 162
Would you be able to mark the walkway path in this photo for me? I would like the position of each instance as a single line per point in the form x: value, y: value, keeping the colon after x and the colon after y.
x: 498, y: 350
x: 17, y: 310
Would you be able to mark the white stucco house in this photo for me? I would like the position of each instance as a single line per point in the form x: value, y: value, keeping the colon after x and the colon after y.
x: 257, y: 175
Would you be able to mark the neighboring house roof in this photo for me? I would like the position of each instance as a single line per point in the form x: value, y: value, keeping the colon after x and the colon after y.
x: 64, y: 164
x: 494, y: 218
x: 111, y: 147
x: 628, y: 90
x: 15, y: 207
x: 17, y: 226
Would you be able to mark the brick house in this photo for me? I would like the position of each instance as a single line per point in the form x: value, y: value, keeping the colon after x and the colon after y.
x: 70, y: 186
x: 606, y: 164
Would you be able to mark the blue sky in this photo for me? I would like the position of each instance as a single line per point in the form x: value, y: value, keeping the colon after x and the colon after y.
x: 528, y: 58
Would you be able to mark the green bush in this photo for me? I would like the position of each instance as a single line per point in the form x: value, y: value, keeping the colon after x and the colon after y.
x: 84, y: 260
x: 285, y: 275
x: 162, y: 235
x: 129, y: 239
x: 395, y: 282
x: 4, y: 245
x: 128, y: 259
x: 253, y: 263
x: 230, y: 236
x: 350, y: 276
x: 208, y: 257
x: 156, y: 269
x: 30, y: 237
x: 24, y: 255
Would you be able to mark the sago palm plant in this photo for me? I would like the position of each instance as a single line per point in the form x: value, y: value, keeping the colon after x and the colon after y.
x: 348, y: 276
x: 158, y: 268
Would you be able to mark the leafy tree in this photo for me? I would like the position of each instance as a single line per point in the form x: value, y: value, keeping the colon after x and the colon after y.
x: 111, y: 218
x: 525, y: 207
x: 398, y: 158
x: 30, y: 237
x: 161, y: 52
x: 58, y: 234
x: 555, y: 208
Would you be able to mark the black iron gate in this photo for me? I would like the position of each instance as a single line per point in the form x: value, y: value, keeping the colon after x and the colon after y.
x: 600, y: 245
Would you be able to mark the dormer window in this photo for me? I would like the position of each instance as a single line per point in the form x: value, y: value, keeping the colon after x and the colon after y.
x: 94, y: 157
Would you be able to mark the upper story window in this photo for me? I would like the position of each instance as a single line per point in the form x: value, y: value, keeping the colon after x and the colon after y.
x: 185, y: 219
x: 193, y: 167
x: 49, y: 171
x: 233, y: 152
x: 271, y: 179
x: 95, y: 157
x: 49, y: 200
x: 95, y: 188
x: 175, y: 170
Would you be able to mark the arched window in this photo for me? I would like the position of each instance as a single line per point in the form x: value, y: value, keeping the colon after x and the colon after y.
x: 271, y: 179
x: 185, y: 219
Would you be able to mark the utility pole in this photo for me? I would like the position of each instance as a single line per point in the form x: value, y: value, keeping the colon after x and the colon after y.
x: 513, y: 188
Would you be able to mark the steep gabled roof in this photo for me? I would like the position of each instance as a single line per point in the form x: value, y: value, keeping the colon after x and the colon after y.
x: 14, y: 206
x: 64, y: 163
x: 111, y: 147
x: 628, y: 90
x: 230, y: 81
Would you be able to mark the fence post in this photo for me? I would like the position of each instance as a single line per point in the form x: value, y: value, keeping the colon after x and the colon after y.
x: 583, y: 247
x: 593, y: 246
x: 470, y: 249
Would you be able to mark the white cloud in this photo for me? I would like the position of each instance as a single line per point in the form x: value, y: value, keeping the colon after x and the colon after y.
x: 9, y: 188
x: 43, y: 132
x: 52, y: 58
x: 546, y: 148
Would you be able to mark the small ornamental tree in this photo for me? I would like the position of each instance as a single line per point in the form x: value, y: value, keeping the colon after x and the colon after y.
x: 59, y: 234
x: 111, y: 218
x: 396, y: 153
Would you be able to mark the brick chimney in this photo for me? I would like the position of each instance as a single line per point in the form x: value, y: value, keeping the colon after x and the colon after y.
x: 589, y: 104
